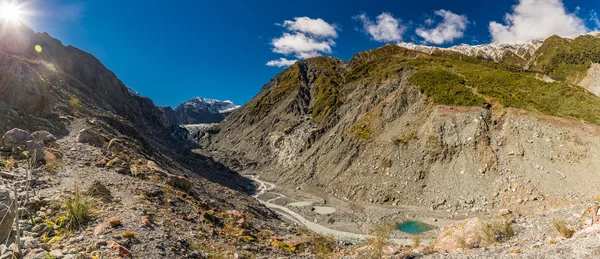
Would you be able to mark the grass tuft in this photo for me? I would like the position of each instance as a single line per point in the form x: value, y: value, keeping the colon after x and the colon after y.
x: 563, y: 228
x: 78, y: 210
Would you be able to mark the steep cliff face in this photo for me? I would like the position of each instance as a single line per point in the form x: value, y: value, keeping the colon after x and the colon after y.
x: 402, y: 126
x: 57, y: 79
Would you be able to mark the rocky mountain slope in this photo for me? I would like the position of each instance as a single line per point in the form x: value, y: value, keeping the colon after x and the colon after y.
x: 199, y: 111
x: 76, y: 140
x: 503, y: 134
x: 439, y: 129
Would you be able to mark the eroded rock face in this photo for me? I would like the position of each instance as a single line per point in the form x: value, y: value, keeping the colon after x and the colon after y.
x: 15, y: 139
x: 592, y: 81
x: 6, y: 215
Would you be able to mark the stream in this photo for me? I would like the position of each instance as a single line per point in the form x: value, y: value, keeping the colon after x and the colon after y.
x: 285, y: 212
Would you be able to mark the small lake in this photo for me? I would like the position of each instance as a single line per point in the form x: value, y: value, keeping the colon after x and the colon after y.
x: 415, y: 227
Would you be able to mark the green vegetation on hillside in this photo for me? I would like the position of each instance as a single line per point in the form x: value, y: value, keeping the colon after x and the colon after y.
x: 326, y: 88
x: 445, y: 88
x: 365, y: 128
x: 286, y: 83
x: 327, y: 98
x: 456, y: 80
x: 566, y: 60
x: 449, y: 78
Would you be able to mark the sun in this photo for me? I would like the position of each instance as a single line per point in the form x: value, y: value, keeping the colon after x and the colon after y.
x: 11, y: 13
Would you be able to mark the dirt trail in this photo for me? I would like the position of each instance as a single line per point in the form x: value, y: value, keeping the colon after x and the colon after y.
x: 285, y: 212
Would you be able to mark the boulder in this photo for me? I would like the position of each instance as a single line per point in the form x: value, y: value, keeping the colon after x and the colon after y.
x: 42, y: 229
x: 37, y: 254
x: 35, y: 151
x: 176, y: 181
x: 14, y: 140
x: 116, y: 145
x: 122, y: 251
x: 6, y: 215
x: 43, y: 137
x: 92, y: 137
x: 180, y: 182
x: 467, y: 234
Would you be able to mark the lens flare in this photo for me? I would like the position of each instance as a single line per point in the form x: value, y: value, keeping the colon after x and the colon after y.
x: 11, y: 13
x: 38, y: 48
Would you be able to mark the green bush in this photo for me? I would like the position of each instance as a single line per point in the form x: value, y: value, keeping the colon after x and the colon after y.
x: 79, y: 209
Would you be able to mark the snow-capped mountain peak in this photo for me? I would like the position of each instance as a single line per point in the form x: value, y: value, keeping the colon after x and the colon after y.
x: 212, y: 105
x: 493, y: 51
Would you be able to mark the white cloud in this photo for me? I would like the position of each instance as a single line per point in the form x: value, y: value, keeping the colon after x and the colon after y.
x: 594, y: 19
x: 537, y: 20
x: 301, y: 46
x: 452, y: 26
x: 315, y: 27
x: 305, y: 38
x: 385, y: 29
x: 281, y: 62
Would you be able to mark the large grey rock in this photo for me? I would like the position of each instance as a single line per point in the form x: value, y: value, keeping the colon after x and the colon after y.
x: 43, y: 137
x: 15, y: 140
x: 42, y: 229
x: 36, y: 151
x: 6, y: 215
x: 92, y: 137
x: 37, y: 254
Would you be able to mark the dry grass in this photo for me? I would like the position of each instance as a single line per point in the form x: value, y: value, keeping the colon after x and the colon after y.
x: 8, y: 163
x: 79, y: 209
x: 75, y: 104
x: 416, y: 241
x: 323, y: 245
x: 128, y: 234
x: 563, y: 228
x: 498, y: 231
x: 380, y: 241
x: 53, y: 163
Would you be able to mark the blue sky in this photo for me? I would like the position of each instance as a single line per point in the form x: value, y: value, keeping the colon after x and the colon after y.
x: 171, y: 51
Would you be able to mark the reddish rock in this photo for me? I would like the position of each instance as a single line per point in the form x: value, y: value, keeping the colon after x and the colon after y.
x: 146, y: 221
x: 241, y: 221
x: 114, y: 222
x: 122, y: 251
x: 101, y: 163
x: 99, y: 229
x: 235, y: 213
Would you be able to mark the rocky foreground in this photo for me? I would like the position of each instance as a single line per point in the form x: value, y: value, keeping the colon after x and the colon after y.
x: 137, y: 209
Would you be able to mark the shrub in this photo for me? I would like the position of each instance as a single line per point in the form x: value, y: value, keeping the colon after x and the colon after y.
x: 9, y: 163
x: 563, y: 228
x: 368, y: 125
x: 78, y: 210
x: 380, y: 241
x: 498, y: 231
x: 404, y: 140
x: 323, y: 245
x: 75, y: 104
x: 128, y: 234
x: 416, y: 241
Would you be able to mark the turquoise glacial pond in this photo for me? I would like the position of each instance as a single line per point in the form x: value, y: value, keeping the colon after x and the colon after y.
x: 415, y: 227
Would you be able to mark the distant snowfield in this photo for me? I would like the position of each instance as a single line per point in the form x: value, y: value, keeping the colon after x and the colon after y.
x: 493, y: 51
x: 212, y: 105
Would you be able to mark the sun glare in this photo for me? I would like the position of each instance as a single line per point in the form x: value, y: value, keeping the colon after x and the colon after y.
x: 11, y: 13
